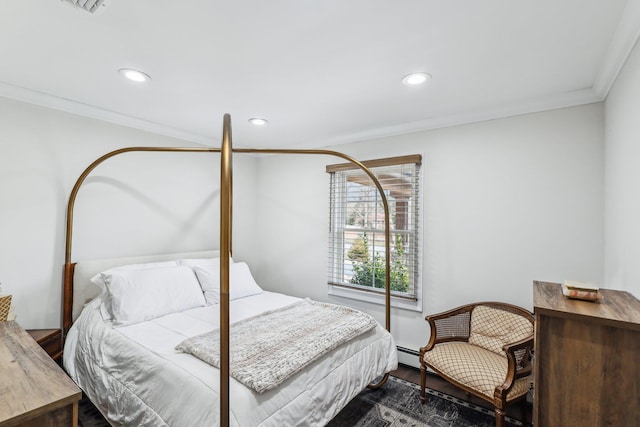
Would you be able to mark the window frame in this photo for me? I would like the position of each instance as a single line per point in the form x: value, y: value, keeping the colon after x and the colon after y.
x: 337, y: 236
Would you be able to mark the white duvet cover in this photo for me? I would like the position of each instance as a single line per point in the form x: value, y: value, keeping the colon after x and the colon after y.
x: 135, y: 377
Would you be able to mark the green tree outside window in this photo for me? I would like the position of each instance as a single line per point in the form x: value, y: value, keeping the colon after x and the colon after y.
x: 370, y: 271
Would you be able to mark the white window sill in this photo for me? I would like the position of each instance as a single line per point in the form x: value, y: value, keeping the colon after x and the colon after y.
x: 370, y: 297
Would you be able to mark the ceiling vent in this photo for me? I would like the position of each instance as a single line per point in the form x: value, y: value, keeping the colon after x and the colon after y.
x: 91, y: 6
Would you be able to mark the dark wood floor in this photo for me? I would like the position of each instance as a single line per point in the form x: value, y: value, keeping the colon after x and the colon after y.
x: 409, y: 373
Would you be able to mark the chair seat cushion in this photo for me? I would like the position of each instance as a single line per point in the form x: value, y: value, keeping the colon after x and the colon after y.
x: 475, y: 367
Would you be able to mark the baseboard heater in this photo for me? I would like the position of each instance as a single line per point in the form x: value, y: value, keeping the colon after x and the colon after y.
x: 408, y: 350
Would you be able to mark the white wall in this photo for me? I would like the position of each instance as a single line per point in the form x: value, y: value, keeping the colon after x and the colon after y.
x: 144, y: 203
x: 622, y: 179
x: 506, y: 202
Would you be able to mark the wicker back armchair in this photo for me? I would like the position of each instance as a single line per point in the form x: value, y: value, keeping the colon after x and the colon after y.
x: 483, y: 348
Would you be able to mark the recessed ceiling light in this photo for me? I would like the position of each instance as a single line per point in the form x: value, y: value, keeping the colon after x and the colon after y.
x: 257, y: 121
x: 135, y: 75
x: 415, y: 79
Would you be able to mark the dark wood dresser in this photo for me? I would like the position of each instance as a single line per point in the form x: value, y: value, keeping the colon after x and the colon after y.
x: 34, y: 390
x: 587, y: 359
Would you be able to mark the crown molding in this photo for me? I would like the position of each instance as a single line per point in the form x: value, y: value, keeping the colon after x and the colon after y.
x: 568, y: 99
x: 622, y: 43
x: 42, y: 99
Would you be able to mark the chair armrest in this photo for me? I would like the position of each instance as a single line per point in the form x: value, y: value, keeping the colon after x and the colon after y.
x: 451, y: 325
x: 519, y: 363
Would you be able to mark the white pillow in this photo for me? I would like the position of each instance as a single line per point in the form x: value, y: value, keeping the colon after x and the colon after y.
x: 144, y: 294
x: 101, y: 280
x: 202, y: 262
x: 241, y: 282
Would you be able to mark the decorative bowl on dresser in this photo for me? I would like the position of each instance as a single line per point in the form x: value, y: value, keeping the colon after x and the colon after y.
x: 34, y: 390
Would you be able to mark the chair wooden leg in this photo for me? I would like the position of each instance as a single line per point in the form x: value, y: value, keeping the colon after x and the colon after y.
x: 499, y: 417
x: 423, y: 382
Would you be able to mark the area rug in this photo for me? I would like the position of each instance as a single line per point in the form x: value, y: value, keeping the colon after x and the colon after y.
x: 397, y: 403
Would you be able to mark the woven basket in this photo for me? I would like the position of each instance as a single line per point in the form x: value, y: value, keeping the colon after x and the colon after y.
x: 5, y: 305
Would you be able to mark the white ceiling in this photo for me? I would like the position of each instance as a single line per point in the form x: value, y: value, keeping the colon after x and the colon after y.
x: 321, y: 71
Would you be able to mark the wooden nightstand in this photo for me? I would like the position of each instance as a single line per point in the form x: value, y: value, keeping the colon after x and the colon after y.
x: 35, y: 391
x: 50, y: 340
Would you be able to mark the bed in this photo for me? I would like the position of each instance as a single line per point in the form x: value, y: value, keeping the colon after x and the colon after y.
x: 127, y: 349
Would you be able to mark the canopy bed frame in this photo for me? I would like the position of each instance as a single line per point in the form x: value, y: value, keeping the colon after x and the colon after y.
x: 226, y: 207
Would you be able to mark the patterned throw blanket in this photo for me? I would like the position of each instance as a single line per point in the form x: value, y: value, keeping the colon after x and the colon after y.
x: 269, y: 348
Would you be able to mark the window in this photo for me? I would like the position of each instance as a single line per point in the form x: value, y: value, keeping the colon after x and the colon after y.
x: 356, y: 229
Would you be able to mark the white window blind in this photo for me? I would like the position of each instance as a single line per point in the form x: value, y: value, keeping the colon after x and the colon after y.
x: 356, y: 229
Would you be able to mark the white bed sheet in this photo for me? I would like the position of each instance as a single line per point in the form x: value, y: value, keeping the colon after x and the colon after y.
x: 135, y: 377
